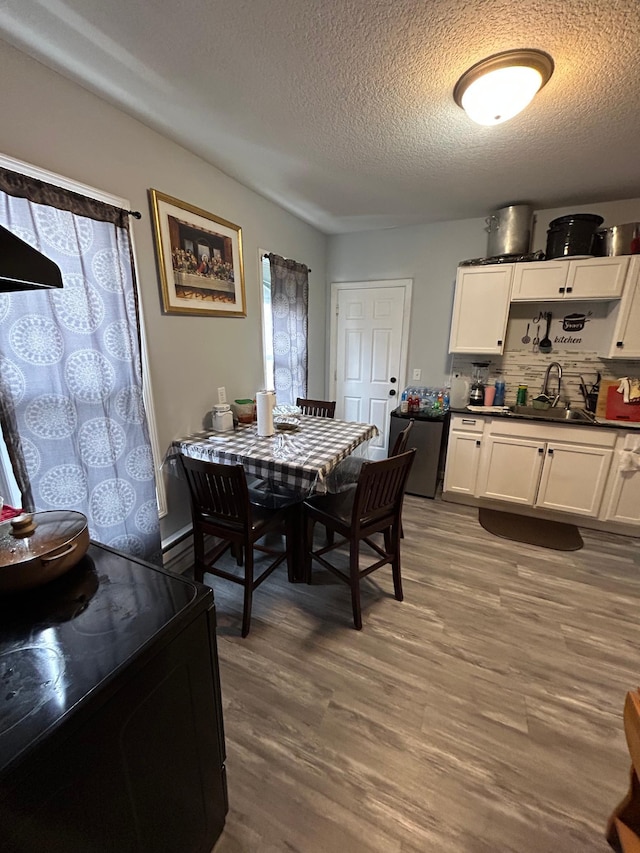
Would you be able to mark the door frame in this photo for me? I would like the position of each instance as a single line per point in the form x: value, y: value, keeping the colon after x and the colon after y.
x: 403, y: 284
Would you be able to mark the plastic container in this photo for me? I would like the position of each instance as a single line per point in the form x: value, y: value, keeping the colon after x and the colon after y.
x: 498, y: 400
x: 245, y: 411
x: 489, y: 395
x: 521, y: 399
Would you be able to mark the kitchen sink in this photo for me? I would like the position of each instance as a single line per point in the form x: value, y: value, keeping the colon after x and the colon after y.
x: 555, y: 413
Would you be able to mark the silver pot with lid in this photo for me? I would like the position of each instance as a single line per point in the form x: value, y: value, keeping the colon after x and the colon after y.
x: 618, y: 240
x: 509, y: 230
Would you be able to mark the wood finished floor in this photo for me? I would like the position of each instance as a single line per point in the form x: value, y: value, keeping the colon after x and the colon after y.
x: 483, y: 713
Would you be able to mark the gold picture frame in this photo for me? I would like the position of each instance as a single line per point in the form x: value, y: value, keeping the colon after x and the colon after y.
x: 199, y: 259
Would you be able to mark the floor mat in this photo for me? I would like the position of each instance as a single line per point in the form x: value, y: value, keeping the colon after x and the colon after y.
x: 534, y: 531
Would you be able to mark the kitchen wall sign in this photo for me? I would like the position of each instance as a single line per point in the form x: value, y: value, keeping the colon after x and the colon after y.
x: 581, y: 329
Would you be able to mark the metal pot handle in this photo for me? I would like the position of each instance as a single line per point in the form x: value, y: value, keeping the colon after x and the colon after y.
x: 72, y: 547
x: 490, y: 220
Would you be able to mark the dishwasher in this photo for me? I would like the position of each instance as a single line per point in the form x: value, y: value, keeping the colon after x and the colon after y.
x: 428, y: 436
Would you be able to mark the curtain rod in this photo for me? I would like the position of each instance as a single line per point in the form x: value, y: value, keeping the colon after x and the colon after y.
x: 288, y: 259
x: 135, y: 213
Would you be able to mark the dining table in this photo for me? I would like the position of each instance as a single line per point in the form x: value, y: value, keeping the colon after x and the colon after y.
x: 304, y: 456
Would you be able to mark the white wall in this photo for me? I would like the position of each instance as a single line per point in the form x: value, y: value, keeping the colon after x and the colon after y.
x: 53, y: 123
x: 429, y: 254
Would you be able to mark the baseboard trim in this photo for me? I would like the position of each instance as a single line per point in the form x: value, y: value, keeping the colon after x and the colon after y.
x: 177, y: 551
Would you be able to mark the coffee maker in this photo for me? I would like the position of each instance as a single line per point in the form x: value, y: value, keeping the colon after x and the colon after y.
x: 479, y: 377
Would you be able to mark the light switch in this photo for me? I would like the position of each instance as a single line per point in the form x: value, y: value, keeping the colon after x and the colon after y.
x: 222, y: 395
x: 417, y: 374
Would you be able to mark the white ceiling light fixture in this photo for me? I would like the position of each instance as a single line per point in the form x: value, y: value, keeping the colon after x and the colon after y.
x: 499, y: 87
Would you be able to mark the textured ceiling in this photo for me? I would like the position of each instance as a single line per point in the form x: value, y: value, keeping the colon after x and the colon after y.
x: 342, y: 110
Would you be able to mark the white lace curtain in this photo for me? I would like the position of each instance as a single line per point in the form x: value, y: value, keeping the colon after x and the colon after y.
x: 70, y: 371
x: 289, y: 308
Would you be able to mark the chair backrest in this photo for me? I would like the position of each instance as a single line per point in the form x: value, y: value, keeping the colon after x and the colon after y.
x: 320, y: 408
x: 380, y: 489
x: 632, y: 727
x: 626, y: 821
x: 401, y: 441
x: 218, y: 491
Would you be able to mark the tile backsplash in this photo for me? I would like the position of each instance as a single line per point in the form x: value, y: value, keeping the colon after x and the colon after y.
x: 527, y: 368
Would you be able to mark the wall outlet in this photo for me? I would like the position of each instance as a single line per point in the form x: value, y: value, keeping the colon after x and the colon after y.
x: 222, y: 395
x: 417, y: 374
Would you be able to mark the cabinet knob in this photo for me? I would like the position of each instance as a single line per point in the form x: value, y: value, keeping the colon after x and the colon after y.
x: 561, y: 290
x: 392, y: 393
x: 620, y: 344
x: 569, y: 290
x: 478, y: 443
x: 550, y: 451
x: 499, y: 343
x: 541, y: 450
x: 393, y: 379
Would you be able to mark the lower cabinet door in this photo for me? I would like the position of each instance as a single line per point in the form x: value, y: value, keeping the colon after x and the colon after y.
x: 624, y: 503
x: 573, y: 478
x: 510, y: 469
x: 463, y: 457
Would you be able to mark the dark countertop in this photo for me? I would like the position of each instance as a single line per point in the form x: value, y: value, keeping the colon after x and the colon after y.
x: 60, y: 642
x: 541, y: 418
x: 420, y: 416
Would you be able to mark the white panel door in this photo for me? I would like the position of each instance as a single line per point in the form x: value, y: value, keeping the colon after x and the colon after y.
x: 368, y: 371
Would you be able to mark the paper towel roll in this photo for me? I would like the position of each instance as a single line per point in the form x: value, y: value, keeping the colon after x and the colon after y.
x: 265, y: 401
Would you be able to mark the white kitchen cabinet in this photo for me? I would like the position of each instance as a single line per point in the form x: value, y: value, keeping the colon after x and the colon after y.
x: 463, y: 454
x: 481, y: 309
x: 573, y: 478
x: 625, y: 342
x: 622, y: 500
x: 510, y: 469
x: 561, y: 280
x: 542, y: 465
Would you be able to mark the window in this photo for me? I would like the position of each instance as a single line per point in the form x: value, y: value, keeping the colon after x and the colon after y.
x: 81, y: 408
x: 285, y: 301
x: 267, y: 322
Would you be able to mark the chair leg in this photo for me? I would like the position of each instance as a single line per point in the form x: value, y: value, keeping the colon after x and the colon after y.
x: 395, y: 563
x: 354, y: 583
x: 198, y: 555
x: 248, y: 590
x: 308, y: 547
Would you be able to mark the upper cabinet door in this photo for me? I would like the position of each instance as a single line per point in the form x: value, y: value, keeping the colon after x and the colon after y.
x: 553, y: 281
x: 481, y: 309
x: 540, y: 281
x: 626, y: 336
x: 596, y: 278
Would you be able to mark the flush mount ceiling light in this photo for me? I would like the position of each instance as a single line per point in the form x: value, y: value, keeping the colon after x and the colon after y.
x: 499, y: 87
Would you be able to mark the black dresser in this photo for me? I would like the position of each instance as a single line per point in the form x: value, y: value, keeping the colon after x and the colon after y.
x: 111, y: 734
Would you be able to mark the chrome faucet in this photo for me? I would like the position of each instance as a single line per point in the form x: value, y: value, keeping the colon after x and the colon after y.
x: 545, y: 384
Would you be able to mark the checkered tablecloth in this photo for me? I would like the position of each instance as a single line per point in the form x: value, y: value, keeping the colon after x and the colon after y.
x: 299, y: 460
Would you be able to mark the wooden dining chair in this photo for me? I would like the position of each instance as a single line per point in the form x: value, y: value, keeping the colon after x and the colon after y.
x: 623, y: 827
x: 402, y: 439
x: 319, y: 408
x: 220, y: 507
x: 375, y: 506
x: 399, y: 447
